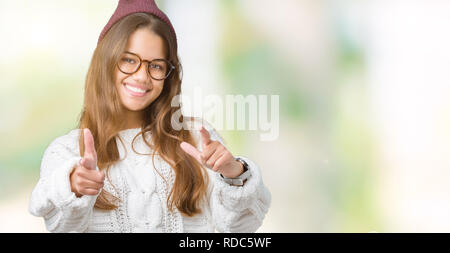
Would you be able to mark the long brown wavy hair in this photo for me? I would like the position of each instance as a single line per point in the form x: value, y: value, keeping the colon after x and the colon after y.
x: 103, y: 111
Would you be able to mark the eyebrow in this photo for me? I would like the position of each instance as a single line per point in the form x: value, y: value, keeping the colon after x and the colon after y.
x: 141, y: 57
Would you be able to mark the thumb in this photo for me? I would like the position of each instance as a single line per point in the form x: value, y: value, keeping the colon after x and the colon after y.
x: 191, y: 150
x: 90, y: 155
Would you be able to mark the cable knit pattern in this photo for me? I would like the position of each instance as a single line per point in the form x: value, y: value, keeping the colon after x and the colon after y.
x: 143, y: 193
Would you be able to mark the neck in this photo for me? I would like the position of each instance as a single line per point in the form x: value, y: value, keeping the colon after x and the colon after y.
x: 133, y: 119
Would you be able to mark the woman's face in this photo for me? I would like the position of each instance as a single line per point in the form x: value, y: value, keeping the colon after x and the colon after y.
x: 139, y: 90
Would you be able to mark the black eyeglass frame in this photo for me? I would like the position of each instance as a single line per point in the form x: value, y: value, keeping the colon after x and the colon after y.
x: 171, y: 66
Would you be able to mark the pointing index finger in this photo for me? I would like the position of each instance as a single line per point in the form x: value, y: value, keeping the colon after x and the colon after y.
x: 191, y: 150
x: 206, y: 137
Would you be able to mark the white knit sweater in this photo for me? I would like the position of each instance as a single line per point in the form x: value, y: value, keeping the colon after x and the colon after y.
x: 143, y: 194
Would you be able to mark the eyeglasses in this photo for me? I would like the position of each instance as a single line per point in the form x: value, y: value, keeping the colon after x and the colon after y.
x: 130, y: 63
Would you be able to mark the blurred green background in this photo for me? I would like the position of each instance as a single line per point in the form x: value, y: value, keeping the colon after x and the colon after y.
x: 363, y: 87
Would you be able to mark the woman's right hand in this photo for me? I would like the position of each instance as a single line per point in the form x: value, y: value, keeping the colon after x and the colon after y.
x: 85, y: 179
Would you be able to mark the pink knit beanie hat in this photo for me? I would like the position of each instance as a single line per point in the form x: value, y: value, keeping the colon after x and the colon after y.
x: 127, y: 7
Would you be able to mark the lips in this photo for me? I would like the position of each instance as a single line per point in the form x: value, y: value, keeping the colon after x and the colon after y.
x: 135, y: 90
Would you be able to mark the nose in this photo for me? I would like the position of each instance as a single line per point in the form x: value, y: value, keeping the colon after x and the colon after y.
x: 142, y: 74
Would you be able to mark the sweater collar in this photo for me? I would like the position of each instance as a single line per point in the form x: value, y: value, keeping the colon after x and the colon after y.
x: 129, y: 133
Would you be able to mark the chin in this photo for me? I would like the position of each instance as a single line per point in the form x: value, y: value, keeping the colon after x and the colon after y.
x: 134, y: 107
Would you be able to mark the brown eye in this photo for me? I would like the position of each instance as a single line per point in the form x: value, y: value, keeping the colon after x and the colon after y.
x: 156, y: 66
x: 128, y: 63
x: 128, y: 60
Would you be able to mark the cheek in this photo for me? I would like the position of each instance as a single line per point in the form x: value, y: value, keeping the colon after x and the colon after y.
x: 155, y: 93
x: 119, y: 77
x: 158, y: 87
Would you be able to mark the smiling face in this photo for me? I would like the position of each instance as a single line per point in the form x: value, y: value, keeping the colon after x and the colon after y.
x: 137, y: 91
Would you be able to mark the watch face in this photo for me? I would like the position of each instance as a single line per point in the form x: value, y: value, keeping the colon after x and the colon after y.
x: 239, y: 181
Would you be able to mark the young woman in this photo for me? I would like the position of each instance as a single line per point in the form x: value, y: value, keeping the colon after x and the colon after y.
x: 126, y: 168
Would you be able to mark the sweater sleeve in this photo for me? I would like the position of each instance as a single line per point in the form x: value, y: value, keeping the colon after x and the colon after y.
x: 237, y: 209
x: 52, y: 197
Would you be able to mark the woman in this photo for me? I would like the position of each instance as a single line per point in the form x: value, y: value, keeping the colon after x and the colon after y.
x: 139, y: 173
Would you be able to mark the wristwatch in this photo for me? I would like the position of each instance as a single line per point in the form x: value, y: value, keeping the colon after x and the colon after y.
x: 240, y: 180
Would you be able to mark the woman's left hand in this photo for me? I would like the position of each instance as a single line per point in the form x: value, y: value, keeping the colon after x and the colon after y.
x: 214, y: 156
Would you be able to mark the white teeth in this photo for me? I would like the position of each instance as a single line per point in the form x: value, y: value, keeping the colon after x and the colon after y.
x: 134, y: 89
